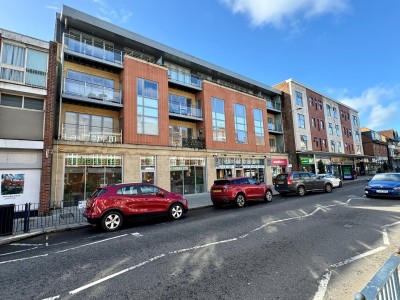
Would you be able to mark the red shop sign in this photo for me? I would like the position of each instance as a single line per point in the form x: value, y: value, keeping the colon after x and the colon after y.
x: 278, y: 162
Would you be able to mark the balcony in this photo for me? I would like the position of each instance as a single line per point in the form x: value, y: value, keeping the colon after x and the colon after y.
x: 75, y: 132
x: 178, y: 141
x: 74, y: 46
x: 80, y: 90
x: 273, y: 105
x: 276, y: 149
x: 275, y: 127
x: 184, y: 111
x: 184, y: 78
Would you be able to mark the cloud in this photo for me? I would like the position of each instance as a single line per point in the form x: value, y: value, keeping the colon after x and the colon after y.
x: 279, y: 13
x: 378, y: 106
x: 52, y: 7
x: 111, y: 15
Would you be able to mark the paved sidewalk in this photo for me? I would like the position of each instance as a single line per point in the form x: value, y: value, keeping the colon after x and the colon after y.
x: 196, y: 201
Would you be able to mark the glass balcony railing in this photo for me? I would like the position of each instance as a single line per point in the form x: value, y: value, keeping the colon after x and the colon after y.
x: 276, y: 149
x: 184, y: 110
x: 273, y: 105
x: 184, y: 77
x: 275, y: 127
x: 91, y: 91
x: 75, y: 132
x: 74, y: 44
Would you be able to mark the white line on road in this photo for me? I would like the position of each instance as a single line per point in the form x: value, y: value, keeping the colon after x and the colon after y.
x: 52, y: 298
x: 28, y: 245
x: 84, y: 245
x: 323, y: 286
x: 202, y: 246
x: 354, y: 258
x: 385, y: 236
x: 114, y: 275
x: 18, y: 251
x: 137, y: 234
x: 21, y: 259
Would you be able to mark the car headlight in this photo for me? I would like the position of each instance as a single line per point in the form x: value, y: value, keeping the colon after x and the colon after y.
x: 367, y: 187
x: 397, y: 188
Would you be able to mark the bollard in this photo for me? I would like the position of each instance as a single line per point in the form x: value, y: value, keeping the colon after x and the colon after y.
x: 26, y: 217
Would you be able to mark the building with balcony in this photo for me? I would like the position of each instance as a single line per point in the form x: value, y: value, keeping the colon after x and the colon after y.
x: 320, y: 128
x: 134, y: 110
x: 27, y: 91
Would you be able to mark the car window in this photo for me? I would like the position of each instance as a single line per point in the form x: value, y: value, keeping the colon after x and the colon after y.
x: 235, y: 181
x: 98, y: 192
x: 128, y: 190
x: 386, y: 177
x: 305, y: 175
x: 296, y: 176
x: 252, y: 181
x: 221, y: 182
x: 149, y: 189
x: 281, y: 177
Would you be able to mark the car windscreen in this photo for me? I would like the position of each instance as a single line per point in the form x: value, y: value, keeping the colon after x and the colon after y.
x: 222, y: 182
x: 281, y: 177
x: 386, y: 177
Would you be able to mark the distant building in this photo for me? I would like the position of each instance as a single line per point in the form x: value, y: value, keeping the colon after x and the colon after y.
x: 376, y: 148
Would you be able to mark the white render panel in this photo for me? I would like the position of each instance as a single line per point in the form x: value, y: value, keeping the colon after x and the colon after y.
x: 24, y: 39
x: 354, y: 129
x: 334, y: 121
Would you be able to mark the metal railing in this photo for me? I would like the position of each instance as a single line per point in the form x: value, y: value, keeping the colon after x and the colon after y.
x: 84, y: 133
x: 273, y: 105
x: 184, y: 77
x: 91, y: 91
x: 74, y: 44
x: 178, y: 141
x: 29, y: 216
x: 184, y: 110
x: 276, y: 149
x: 385, y: 284
x: 275, y: 127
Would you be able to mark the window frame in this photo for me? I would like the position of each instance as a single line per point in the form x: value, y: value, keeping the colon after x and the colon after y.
x: 219, y: 132
x: 143, y: 93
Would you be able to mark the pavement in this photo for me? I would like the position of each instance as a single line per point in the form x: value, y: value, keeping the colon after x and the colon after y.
x: 195, y: 201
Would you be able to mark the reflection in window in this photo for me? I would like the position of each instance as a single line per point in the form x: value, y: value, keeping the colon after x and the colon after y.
x: 259, y: 127
x: 300, y: 119
x: 218, y: 120
x: 240, y: 124
x: 147, y: 107
x: 299, y: 99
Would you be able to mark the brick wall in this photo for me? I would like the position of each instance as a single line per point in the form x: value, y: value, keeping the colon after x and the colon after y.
x: 316, y: 113
x: 345, y: 120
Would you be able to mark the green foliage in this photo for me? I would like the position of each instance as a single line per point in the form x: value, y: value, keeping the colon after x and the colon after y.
x: 321, y: 167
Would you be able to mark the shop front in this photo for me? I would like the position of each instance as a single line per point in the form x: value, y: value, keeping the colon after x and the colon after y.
x: 188, y: 175
x: 278, y: 166
x: 307, y: 163
x: 228, y: 167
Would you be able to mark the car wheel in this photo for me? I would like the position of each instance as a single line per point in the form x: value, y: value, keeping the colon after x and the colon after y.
x: 268, y: 196
x: 328, y: 187
x: 301, y: 191
x: 176, y: 211
x: 340, y: 184
x: 240, y: 200
x: 111, y: 221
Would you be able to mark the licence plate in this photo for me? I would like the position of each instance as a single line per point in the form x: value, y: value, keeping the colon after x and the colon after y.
x: 382, y: 191
x: 280, y: 182
x: 217, y: 191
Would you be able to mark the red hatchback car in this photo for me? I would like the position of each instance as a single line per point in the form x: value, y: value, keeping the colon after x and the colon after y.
x: 110, y: 205
x: 239, y: 191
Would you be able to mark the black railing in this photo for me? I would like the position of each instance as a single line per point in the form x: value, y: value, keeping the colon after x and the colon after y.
x: 198, y: 143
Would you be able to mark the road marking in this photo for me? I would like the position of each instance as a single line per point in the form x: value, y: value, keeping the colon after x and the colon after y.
x: 385, y: 236
x: 18, y: 251
x: 137, y: 234
x: 21, y: 259
x: 89, y: 244
x: 52, y: 298
x: 323, y: 286
x: 203, y: 246
x: 114, y: 275
x: 28, y: 245
x: 357, y: 257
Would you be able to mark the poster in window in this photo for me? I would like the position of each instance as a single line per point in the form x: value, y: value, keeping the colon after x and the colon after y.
x: 12, y: 184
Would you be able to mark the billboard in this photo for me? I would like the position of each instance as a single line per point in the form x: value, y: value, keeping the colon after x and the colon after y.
x: 19, y: 186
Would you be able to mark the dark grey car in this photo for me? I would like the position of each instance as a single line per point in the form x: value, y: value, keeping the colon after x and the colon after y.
x: 301, y: 183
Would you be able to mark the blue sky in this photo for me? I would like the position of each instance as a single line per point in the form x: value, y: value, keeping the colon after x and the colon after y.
x: 345, y: 49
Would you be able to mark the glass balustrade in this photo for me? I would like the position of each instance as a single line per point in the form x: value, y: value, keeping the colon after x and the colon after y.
x: 82, y: 133
x: 184, y: 110
x: 184, y: 77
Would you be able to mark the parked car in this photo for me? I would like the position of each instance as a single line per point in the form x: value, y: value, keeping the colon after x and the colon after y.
x: 384, y: 185
x: 336, y: 181
x: 110, y: 206
x: 239, y: 190
x: 301, y: 183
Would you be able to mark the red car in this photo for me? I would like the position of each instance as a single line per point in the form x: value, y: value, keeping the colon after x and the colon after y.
x: 111, y: 205
x: 239, y: 191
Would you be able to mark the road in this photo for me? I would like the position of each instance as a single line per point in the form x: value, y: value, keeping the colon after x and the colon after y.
x: 321, y: 246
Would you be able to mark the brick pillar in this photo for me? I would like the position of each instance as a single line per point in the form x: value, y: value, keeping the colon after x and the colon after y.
x: 49, y: 114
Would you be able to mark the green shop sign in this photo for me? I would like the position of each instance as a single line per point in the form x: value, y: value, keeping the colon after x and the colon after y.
x: 306, y: 160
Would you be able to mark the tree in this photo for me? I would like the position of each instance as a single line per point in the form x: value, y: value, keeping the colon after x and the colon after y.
x: 385, y: 166
x: 321, y: 167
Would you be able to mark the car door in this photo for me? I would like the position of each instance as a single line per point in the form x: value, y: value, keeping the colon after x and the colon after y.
x: 319, y: 182
x: 153, y: 202
x: 306, y: 179
x: 257, y: 188
x: 129, y: 200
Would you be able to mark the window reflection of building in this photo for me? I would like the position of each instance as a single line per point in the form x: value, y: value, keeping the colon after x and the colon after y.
x: 188, y: 175
x: 148, y: 169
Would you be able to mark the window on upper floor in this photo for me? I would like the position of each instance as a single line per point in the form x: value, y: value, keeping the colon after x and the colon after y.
x: 313, y: 122
x: 259, y: 127
x: 328, y: 110
x: 358, y: 149
x: 21, y: 102
x: 320, y: 104
x: 357, y: 136
x: 147, y: 107
x: 299, y: 98
x: 335, y: 113
x: 333, y: 146
x: 339, y: 147
x: 300, y: 120
x: 311, y: 102
x: 316, y: 142
x: 303, y: 142
x: 23, y: 65
x: 324, y: 143
x: 240, y: 123
x: 322, y: 124
x: 218, y: 120
x: 337, y: 130
x: 350, y: 133
x: 355, y: 120
x: 330, y: 130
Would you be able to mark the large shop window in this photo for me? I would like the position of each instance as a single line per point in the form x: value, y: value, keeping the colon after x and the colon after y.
x: 148, y: 169
x: 147, y: 107
x: 84, y: 173
x: 218, y: 120
x: 188, y: 175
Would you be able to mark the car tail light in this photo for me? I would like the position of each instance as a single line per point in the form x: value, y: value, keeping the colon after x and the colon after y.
x: 289, y: 181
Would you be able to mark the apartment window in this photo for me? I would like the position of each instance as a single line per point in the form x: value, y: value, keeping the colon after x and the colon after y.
x: 300, y: 120
x: 333, y: 146
x: 313, y: 122
x: 355, y: 121
x: 330, y: 129
x: 87, y: 85
x: 218, y: 120
x: 320, y: 104
x: 79, y: 126
x: 299, y: 99
x: 352, y: 147
x: 322, y: 124
x: 358, y: 149
x: 328, y: 110
x: 21, y: 102
x: 272, y: 145
x: 339, y: 147
x: 20, y: 64
x: 240, y: 123
x: 259, y: 127
x: 350, y: 133
x: 337, y: 130
x: 346, y: 147
x: 324, y: 143
x: 311, y: 101
x: 357, y: 136
x: 147, y: 107
x: 303, y: 142
x: 316, y: 141
x: 178, y: 135
x: 335, y: 113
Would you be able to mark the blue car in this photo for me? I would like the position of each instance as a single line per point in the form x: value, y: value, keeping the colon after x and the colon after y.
x: 385, y: 185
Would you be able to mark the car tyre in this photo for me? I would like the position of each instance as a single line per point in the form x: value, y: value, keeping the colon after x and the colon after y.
x: 111, y: 221
x: 176, y: 211
x: 268, y: 196
x: 328, y: 188
x: 301, y: 191
x: 340, y: 184
x: 240, y: 200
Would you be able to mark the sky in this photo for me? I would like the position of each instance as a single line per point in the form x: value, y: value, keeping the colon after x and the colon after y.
x: 348, y: 50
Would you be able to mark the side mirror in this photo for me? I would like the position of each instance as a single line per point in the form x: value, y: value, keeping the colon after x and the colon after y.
x: 161, y: 194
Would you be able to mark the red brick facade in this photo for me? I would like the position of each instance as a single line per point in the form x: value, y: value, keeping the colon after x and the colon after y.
x: 345, y: 120
x: 317, y: 122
